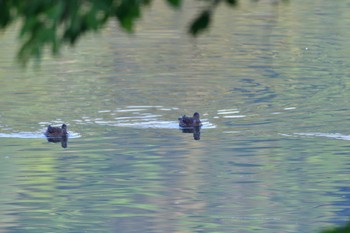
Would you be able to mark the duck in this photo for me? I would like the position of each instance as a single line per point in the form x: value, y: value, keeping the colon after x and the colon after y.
x: 194, y: 121
x: 54, y: 132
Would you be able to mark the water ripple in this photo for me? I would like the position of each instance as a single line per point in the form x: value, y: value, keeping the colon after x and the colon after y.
x: 327, y: 135
x: 33, y: 135
x: 144, y: 117
x: 151, y: 124
x: 229, y: 113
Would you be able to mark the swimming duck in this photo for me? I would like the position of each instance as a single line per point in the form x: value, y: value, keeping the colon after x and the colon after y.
x: 194, y: 121
x: 56, y: 131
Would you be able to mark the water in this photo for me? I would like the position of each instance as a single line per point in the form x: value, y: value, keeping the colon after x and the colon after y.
x: 271, y: 84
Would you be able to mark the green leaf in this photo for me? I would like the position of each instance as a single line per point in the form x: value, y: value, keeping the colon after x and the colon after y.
x: 174, y: 3
x: 5, y: 16
x: 232, y: 2
x: 200, y: 23
x: 341, y: 229
x: 127, y: 12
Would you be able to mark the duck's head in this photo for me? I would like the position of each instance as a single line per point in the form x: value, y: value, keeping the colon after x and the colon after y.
x: 196, y: 120
x: 196, y: 115
x: 64, y: 128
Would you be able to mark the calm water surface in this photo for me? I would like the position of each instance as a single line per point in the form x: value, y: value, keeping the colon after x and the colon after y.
x: 271, y: 82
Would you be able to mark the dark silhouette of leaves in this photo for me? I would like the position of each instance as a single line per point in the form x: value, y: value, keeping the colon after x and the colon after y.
x: 174, y: 3
x: 341, y: 229
x: 53, y: 23
x: 200, y: 23
x: 231, y: 2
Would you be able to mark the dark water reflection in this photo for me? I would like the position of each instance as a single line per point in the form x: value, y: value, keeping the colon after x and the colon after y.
x: 196, y: 131
x: 273, y: 154
x: 62, y: 140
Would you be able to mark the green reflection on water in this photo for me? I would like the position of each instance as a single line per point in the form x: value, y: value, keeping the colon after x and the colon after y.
x: 270, y: 160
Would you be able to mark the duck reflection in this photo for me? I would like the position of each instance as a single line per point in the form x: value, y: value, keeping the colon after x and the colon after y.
x: 63, y: 140
x: 195, y: 130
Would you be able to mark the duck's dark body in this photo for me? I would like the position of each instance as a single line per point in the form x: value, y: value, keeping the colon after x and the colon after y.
x: 54, y: 132
x: 194, y: 121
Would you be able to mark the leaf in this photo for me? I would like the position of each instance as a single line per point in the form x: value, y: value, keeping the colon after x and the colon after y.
x: 174, y: 3
x: 200, y: 23
x: 5, y: 16
x: 127, y: 12
x: 232, y: 2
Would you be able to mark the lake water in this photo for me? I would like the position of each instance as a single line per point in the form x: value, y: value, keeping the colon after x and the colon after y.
x: 271, y: 82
